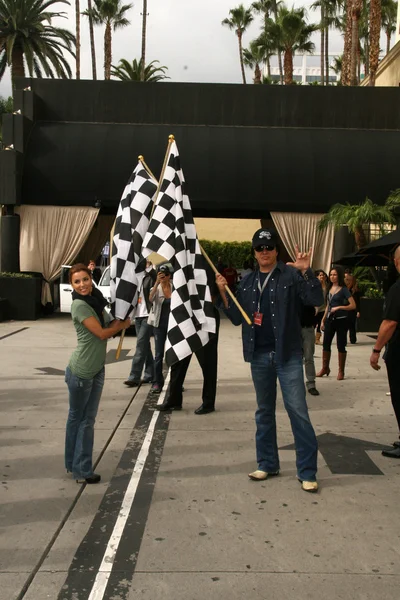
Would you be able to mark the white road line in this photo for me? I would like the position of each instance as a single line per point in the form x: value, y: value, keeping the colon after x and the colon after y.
x: 104, y: 572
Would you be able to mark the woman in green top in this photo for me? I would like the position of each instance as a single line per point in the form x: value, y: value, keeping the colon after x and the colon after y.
x: 84, y: 375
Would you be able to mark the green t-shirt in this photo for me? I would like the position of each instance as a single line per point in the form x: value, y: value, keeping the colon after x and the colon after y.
x: 90, y: 355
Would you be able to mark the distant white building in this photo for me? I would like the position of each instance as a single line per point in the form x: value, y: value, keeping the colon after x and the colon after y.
x: 307, y: 71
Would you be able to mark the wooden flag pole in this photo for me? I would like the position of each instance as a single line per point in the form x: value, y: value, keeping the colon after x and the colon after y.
x: 204, y: 253
x: 171, y: 139
x: 227, y: 288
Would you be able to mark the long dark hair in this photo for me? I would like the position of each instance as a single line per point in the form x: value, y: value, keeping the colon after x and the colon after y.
x: 340, y: 274
x: 326, y: 279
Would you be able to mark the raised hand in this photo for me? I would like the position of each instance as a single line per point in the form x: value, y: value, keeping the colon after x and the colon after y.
x: 303, y: 260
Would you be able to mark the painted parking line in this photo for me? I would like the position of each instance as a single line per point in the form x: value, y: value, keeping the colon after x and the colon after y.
x: 114, y: 533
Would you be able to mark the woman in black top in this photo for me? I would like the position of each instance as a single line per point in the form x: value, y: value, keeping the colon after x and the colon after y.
x: 353, y: 315
x: 334, y: 321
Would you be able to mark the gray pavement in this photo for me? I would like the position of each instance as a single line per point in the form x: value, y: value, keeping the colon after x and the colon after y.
x: 198, y: 528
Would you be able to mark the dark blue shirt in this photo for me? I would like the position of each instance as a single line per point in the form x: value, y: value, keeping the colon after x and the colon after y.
x: 264, y: 334
x: 287, y: 291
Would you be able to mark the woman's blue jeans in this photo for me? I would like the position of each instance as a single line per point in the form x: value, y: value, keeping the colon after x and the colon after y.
x: 84, y: 398
x: 265, y: 371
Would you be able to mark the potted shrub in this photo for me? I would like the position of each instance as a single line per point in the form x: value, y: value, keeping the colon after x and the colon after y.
x: 371, y: 309
x: 22, y: 295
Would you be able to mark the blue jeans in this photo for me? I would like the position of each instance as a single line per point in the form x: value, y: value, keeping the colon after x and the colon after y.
x: 84, y: 398
x: 143, y: 355
x: 265, y: 371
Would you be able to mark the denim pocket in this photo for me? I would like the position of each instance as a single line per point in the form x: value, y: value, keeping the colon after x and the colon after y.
x: 67, y: 375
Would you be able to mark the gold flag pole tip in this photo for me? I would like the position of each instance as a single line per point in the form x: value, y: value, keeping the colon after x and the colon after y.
x: 171, y: 138
x: 141, y: 157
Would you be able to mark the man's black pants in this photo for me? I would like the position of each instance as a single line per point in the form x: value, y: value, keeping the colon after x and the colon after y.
x: 207, y: 357
x: 392, y: 365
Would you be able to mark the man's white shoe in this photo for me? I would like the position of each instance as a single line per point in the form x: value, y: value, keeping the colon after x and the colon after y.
x: 309, y: 486
x: 261, y: 475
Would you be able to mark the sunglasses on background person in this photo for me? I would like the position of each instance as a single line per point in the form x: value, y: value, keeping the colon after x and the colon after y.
x: 264, y: 247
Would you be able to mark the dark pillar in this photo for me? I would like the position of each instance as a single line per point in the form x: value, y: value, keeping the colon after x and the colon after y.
x: 343, y: 244
x: 9, y: 243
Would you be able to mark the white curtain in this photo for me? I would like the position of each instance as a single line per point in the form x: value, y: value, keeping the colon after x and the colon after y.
x: 52, y: 236
x: 301, y: 229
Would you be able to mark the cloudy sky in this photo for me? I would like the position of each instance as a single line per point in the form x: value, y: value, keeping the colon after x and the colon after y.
x: 184, y: 35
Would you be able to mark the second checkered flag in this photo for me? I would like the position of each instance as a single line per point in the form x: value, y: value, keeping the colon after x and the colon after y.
x: 172, y: 234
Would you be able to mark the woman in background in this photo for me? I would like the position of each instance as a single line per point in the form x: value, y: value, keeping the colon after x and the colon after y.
x: 353, y: 315
x: 84, y: 375
x: 320, y: 310
x: 334, y: 321
x: 160, y: 297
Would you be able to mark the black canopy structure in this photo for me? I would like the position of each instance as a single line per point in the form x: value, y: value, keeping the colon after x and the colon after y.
x: 246, y: 150
x: 385, y: 245
x: 356, y: 259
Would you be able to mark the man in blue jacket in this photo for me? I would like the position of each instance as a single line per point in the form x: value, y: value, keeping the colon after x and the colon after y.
x: 273, y: 297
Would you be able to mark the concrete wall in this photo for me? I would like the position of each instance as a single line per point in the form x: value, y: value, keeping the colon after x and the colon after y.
x: 388, y: 73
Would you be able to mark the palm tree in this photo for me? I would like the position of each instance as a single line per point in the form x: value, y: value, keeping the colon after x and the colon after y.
x: 240, y: 19
x: 292, y: 34
x: 144, y: 26
x: 253, y: 56
x: 322, y: 26
x: 78, y: 39
x: 91, y: 35
x: 337, y: 66
x: 356, y: 216
x: 375, y: 20
x: 126, y: 71
x: 332, y: 20
x: 389, y: 18
x: 355, y: 42
x: 347, y: 30
x: 27, y: 38
x: 265, y: 7
x: 110, y: 13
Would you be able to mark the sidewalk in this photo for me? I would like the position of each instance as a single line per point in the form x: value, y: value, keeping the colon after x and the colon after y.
x: 198, y: 528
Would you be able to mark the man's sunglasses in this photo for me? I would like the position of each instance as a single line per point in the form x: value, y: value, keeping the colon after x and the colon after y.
x: 261, y: 248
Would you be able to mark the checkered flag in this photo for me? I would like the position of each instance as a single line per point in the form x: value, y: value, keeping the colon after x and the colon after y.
x: 172, y: 234
x: 127, y: 263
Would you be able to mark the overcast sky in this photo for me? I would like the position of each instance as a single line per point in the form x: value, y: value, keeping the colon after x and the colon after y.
x: 185, y: 35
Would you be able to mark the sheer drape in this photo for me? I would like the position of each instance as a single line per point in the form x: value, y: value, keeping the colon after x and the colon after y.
x: 301, y: 229
x: 52, y: 236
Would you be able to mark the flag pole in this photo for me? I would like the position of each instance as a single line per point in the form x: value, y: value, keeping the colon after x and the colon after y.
x: 204, y: 253
x: 227, y: 288
x: 171, y: 139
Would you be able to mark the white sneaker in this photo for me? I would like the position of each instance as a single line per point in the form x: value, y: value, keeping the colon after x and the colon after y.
x: 309, y: 486
x: 261, y: 475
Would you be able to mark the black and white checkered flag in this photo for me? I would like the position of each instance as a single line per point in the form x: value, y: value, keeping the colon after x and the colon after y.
x: 172, y: 234
x: 127, y: 263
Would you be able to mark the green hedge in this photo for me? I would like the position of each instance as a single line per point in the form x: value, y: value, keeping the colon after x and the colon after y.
x: 235, y: 252
x: 17, y: 275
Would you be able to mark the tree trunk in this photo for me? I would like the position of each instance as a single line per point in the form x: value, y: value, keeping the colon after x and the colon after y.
x: 144, y: 24
x: 322, y: 25
x: 388, y: 36
x: 375, y: 18
x: 346, y: 65
x: 78, y: 39
x: 91, y: 35
x: 257, y: 74
x: 355, y: 17
x: 107, y: 51
x: 268, y: 67
x: 275, y: 11
x: 327, y: 55
x: 359, y: 237
x: 359, y: 63
x: 239, y: 34
x: 288, y: 65
x: 17, y: 64
x: 366, y: 52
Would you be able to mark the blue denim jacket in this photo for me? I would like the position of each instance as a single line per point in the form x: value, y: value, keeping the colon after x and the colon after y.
x: 288, y: 291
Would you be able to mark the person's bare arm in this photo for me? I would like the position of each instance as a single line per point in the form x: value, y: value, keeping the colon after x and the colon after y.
x: 386, y: 330
x: 103, y: 333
